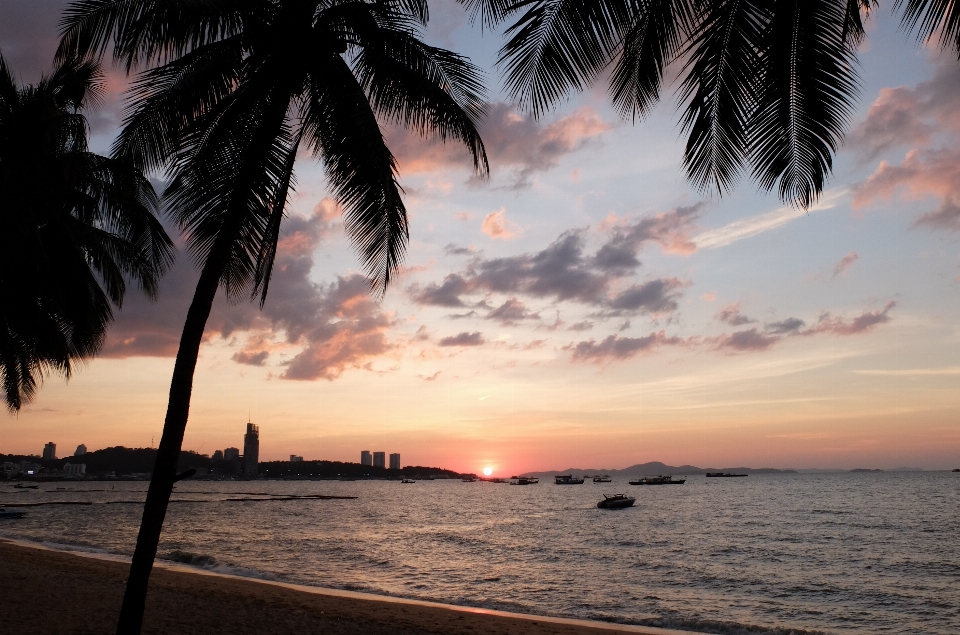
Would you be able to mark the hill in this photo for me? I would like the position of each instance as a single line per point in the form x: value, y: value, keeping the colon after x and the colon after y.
x: 656, y: 467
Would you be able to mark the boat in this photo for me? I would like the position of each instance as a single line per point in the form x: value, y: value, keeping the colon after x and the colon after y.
x: 659, y: 480
x: 526, y: 480
x: 469, y: 480
x: 22, y: 486
x: 602, y: 479
x: 724, y: 475
x: 567, y: 479
x: 617, y: 501
x: 957, y: 470
x: 5, y: 514
x: 408, y: 480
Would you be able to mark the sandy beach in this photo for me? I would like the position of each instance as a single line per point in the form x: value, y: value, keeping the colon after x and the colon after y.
x: 65, y: 593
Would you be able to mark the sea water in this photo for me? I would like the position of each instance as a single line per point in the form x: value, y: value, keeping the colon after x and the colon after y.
x: 834, y: 553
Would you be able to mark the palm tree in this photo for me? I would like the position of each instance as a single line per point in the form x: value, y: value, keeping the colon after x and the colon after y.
x: 73, y: 226
x: 234, y: 89
x: 768, y: 85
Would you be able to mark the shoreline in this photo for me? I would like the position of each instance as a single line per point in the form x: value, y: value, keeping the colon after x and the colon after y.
x: 85, y: 589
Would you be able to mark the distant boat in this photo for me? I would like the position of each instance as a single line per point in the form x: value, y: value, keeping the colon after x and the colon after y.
x: 617, y: 501
x: 602, y: 479
x: 5, y: 514
x: 22, y: 486
x: 659, y: 480
x: 723, y: 474
x: 469, y: 480
x: 567, y: 480
x: 408, y: 480
x: 526, y: 480
x: 957, y: 470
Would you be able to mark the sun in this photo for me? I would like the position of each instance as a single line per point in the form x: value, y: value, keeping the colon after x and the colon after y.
x: 487, y: 471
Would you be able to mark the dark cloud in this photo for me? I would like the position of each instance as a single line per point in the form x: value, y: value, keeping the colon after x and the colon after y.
x: 586, y: 325
x: 29, y: 36
x: 251, y: 359
x: 511, y: 312
x: 463, y: 339
x: 863, y: 322
x: 616, y: 348
x: 731, y: 315
x: 445, y: 294
x: 671, y: 230
x: 790, y: 325
x: 560, y: 272
x: 456, y: 250
x: 946, y: 216
x: 656, y: 296
x: 748, y: 340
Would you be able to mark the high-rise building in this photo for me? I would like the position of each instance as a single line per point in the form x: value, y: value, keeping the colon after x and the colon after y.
x: 251, y: 451
x: 231, y: 454
x: 365, y: 458
x: 379, y: 459
x: 296, y: 459
x: 81, y: 450
x: 50, y: 452
x: 394, y: 461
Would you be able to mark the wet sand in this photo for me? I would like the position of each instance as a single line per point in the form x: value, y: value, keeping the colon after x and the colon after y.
x: 57, y: 592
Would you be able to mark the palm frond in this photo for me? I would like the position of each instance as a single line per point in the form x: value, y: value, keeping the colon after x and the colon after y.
x: 652, y: 40
x: 559, y: 46
x: 427, y: 89
x: 806, y: 85
x: 933, y: 19
x: 341, y: 129
x: 720, y: 86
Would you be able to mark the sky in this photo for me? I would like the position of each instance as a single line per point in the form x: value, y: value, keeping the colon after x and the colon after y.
x: 584, y: 307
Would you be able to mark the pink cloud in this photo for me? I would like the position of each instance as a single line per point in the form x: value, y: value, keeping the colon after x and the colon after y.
x: 514, y: 141
x: 840, y: 268
x: 496, y: 226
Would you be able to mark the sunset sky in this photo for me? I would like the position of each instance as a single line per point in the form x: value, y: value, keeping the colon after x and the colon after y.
x: 584, y: 307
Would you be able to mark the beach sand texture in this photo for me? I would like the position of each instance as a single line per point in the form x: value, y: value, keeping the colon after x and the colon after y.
x: 59, y: 593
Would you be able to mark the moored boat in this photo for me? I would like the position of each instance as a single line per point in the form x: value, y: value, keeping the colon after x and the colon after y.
x: 22, y: 486
x: 525, y: 480
x: 658, y: 480
x: 8, y: 514
x: 408, y: 480
x: 602, y: 479
x: 567, y: 479
x: 617, y: 501
x: 723, y: 475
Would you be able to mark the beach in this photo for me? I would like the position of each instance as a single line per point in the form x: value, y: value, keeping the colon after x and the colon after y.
x: 66, y: 593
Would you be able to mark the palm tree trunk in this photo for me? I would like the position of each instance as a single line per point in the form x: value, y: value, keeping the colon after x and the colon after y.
x: 165, y: 468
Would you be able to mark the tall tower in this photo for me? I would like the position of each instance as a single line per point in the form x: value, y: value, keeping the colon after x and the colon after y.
x: 378, y: 459
x: 251, y: 450
x: 50, y: 452
x: 395, y: 461
x: 365, y: 457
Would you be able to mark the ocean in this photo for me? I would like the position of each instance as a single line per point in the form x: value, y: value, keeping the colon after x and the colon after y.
x: 851, y: 553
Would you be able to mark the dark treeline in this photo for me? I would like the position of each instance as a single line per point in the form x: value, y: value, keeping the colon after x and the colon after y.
x: 121, y: 460
x: 334, y: 469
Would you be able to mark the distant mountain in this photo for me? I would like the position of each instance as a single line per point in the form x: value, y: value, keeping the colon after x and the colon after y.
x: 656, y: 467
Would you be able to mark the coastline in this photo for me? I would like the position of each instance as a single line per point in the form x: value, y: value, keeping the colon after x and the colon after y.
x: 80, y: 592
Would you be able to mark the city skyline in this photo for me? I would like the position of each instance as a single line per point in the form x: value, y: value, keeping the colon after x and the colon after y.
x: 586, y: 306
